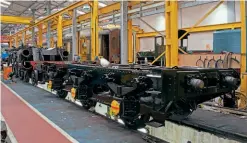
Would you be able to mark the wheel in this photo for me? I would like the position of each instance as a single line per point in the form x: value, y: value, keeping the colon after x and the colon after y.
x: 33, y: 79
x: 181, y: 116
x: 181, y: 110
x: 132, y: 124
x: 26, y: 76
x: 137, y: 123
x: 15, y: 70
x: 61, y: 93
x: 21, y: 75
x: 87, y: 104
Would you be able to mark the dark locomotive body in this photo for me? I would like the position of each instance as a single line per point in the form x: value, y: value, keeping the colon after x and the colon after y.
x: 145, y: 91
x: 46, y: 63
x: 139, y: 92
x: 20, y: 59
x: 35, y: 63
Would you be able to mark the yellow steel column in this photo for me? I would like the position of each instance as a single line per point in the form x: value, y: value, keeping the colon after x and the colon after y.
x: 130, y: 47
x: 10, y: 43
x: 40, y: 36
x: 78, y: 50
x: 59, y: 32
x: 137, y: 45
x: 168, y: 32
x: 94, y: 30
x: 16, y: 41
x: 52, y: 42
x: 168, y: 16
x: 243, y: 87
x: 171, y: 17
x: 25, y: 38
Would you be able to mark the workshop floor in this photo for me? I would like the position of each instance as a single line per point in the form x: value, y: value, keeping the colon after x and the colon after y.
x: 74, y: 124
x: 78, y: 124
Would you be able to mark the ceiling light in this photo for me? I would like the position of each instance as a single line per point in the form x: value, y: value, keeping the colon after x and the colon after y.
x: 41, y: 17
x: 58, y: 9
x: 5, y: 2
x: 86, y: 7
x: 3, y: 5
x: 80, y: 12
x: 102, y: 4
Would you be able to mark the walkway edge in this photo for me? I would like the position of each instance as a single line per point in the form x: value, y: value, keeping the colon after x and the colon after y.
x: 10, y: 135
x: 43, y: 117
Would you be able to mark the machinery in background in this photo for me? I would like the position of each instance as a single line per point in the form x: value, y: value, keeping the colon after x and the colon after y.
x: 110, y: 46
x: 145, y: 57
x: 159, y: 49
x: 141, y: 95
x: 4, y: 58
x: 83, y: 48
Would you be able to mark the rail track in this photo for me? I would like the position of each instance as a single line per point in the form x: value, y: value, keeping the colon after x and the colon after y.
x: 212, y: 107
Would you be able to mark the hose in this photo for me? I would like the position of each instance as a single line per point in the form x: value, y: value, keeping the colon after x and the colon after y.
x: 227, y: 58
x: 219, y: 61
x: 241, y: 97
x: 204, y: 62
x: 200, y: 60
x: 235, y: 59
x: 211, y: 60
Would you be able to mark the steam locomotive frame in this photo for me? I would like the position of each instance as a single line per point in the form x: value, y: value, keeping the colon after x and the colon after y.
x: 144, y: 92
x: 135, y: 93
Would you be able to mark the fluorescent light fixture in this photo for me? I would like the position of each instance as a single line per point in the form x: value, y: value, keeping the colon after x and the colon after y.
x: 86, y: 7
x: 56, y: 9
x: 41, y: 17
x: 102, y: 4
x: 5, y: 2
x: 3, y: 5
x: 80, y: 12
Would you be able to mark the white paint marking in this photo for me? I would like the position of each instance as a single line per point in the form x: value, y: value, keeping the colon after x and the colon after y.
x: 9, y: 132
x: 42, y: 116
